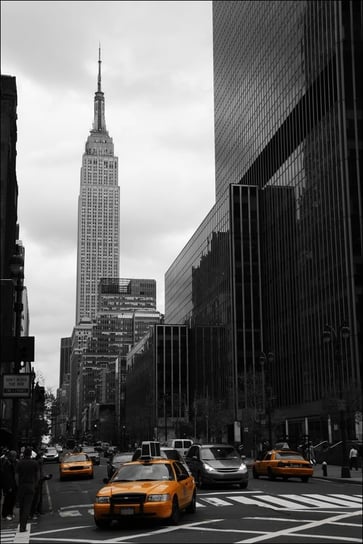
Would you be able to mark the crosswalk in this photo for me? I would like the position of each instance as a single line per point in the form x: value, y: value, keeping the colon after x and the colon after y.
x: 7, y: 535
x: 308, y: 501
x: 12, y: 535
x: 311, y: 501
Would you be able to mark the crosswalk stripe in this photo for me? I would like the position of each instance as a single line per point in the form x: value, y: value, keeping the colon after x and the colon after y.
x: 308, y: 500
x: 245, y: 500
x: 354, y: 498
x: 278, y: 500
x: 347, y: 501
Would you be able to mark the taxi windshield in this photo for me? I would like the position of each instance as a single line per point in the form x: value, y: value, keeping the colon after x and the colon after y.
x: 75, y: 458
x: 144, y: 472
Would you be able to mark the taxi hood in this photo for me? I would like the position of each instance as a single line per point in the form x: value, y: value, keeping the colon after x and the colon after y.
x: 114, y: 488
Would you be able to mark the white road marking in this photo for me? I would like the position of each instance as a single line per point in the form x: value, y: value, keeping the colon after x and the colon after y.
x: 214, y: 501
x: 339, y: 500
x: 355, y: 498
x: 22, y: 538
x: 70, y: 513
x: 308, y: 500
x: 299, y: 528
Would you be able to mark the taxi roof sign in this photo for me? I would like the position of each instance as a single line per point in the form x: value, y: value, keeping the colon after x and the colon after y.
x: 150, y: 449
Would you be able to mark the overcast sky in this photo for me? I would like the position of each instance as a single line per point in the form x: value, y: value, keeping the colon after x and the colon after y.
x: 157, y: 76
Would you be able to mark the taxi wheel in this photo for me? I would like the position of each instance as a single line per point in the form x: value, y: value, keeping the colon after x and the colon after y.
x: 270, y: 474
x: 192, y: 508
x: 175, y: 512
x: 304, y: 478
x: 102, y: 523
x: 255, y: 474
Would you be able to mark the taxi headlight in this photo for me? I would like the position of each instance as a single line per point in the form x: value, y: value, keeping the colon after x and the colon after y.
x: 102, y: 500
x: 159, y: 498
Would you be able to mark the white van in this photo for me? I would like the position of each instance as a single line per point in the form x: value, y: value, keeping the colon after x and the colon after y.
x: 181, y: 444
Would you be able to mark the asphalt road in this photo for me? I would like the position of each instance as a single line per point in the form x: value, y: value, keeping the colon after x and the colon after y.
x: 320, y: 511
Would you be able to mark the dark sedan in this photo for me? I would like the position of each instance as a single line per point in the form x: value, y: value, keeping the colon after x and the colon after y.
x: 92, y: 454
x: 118, y: 459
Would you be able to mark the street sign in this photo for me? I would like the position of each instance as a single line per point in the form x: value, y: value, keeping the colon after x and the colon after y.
x: 15, y: 386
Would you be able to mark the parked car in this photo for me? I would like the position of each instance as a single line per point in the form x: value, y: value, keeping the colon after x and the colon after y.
x: 50, y: 455
x: 283, y: 464
x: 213, y: 464
x: 92, y: 454
x: 75, y: 464
x: 118, y: 459
x: 150, y: 487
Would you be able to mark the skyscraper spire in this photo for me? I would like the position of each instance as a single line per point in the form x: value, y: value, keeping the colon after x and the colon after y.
x: 99, y: 122
x: 99, y: 69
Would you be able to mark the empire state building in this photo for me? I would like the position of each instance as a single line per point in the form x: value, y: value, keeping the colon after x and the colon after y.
x: 98, y: 235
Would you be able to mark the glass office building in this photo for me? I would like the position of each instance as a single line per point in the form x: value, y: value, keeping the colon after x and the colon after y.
x: 276, y: 266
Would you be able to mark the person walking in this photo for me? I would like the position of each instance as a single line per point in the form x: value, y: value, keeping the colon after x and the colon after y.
x: 36, y: 507
x: 8, y: 465
x: 353, y: 458
x: 28, y: 475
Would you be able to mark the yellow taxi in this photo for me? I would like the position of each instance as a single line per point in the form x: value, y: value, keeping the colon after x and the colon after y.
x: 152, y: 487
x: 75, y: 464
x: 283, y: 464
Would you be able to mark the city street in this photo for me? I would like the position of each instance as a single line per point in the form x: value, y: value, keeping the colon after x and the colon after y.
x: 320, y: 511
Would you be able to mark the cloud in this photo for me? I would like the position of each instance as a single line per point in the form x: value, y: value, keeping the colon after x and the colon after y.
x: 157, y: 76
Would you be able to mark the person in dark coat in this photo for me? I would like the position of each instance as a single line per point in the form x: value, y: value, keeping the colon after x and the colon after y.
x: 28, y: 475
x: 8, y: 464
x: 36, y: 508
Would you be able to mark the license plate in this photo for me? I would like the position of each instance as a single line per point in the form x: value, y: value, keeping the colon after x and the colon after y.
x: 127, y: 511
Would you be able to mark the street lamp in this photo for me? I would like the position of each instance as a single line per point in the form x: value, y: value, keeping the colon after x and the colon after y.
x: 263, y: 359
x: 330, y: 335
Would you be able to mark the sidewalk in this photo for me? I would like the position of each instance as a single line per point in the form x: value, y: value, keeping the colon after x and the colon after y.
x: 334, y: 472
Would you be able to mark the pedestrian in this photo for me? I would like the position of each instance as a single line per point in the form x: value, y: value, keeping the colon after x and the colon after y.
x: 311, y: 453
x: 28, y: 474
x: 8, y: 464
x: 353, y: 458
x: 36, y: 508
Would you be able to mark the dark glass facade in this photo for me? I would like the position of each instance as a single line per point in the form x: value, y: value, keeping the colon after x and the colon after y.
x: 157, y: 385
x: 280, y: 254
